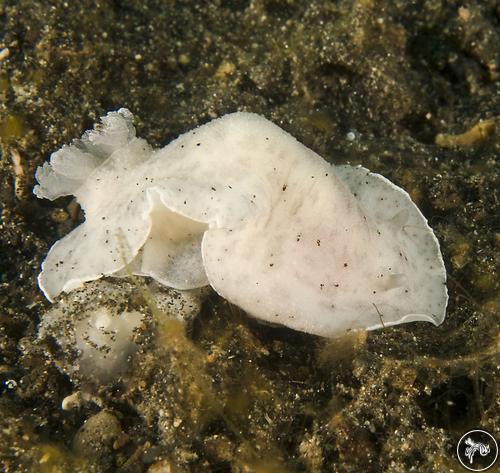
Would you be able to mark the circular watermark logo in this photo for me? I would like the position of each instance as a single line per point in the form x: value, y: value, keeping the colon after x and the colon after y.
x: 477, y: 450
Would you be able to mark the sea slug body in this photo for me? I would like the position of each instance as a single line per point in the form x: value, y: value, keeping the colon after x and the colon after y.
x: 241, y: 205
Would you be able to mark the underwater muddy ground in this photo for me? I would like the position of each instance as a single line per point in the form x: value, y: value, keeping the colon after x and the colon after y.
x: 409, y: 89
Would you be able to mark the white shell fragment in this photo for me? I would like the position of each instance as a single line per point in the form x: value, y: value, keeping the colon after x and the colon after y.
x: 241, y: 205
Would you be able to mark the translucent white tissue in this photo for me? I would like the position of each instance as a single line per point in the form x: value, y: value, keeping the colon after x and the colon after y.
x: 241, y: 205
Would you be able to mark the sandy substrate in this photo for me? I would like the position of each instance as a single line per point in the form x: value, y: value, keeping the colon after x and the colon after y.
x: 407, y: 89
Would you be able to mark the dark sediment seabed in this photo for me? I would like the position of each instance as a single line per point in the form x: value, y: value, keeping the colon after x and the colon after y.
x: 408, y: 89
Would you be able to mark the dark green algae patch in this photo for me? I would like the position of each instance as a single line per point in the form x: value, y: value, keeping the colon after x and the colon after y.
x: 364, y: 82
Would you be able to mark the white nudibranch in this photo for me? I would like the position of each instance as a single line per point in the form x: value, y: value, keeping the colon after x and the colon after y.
x: 241, y: 205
